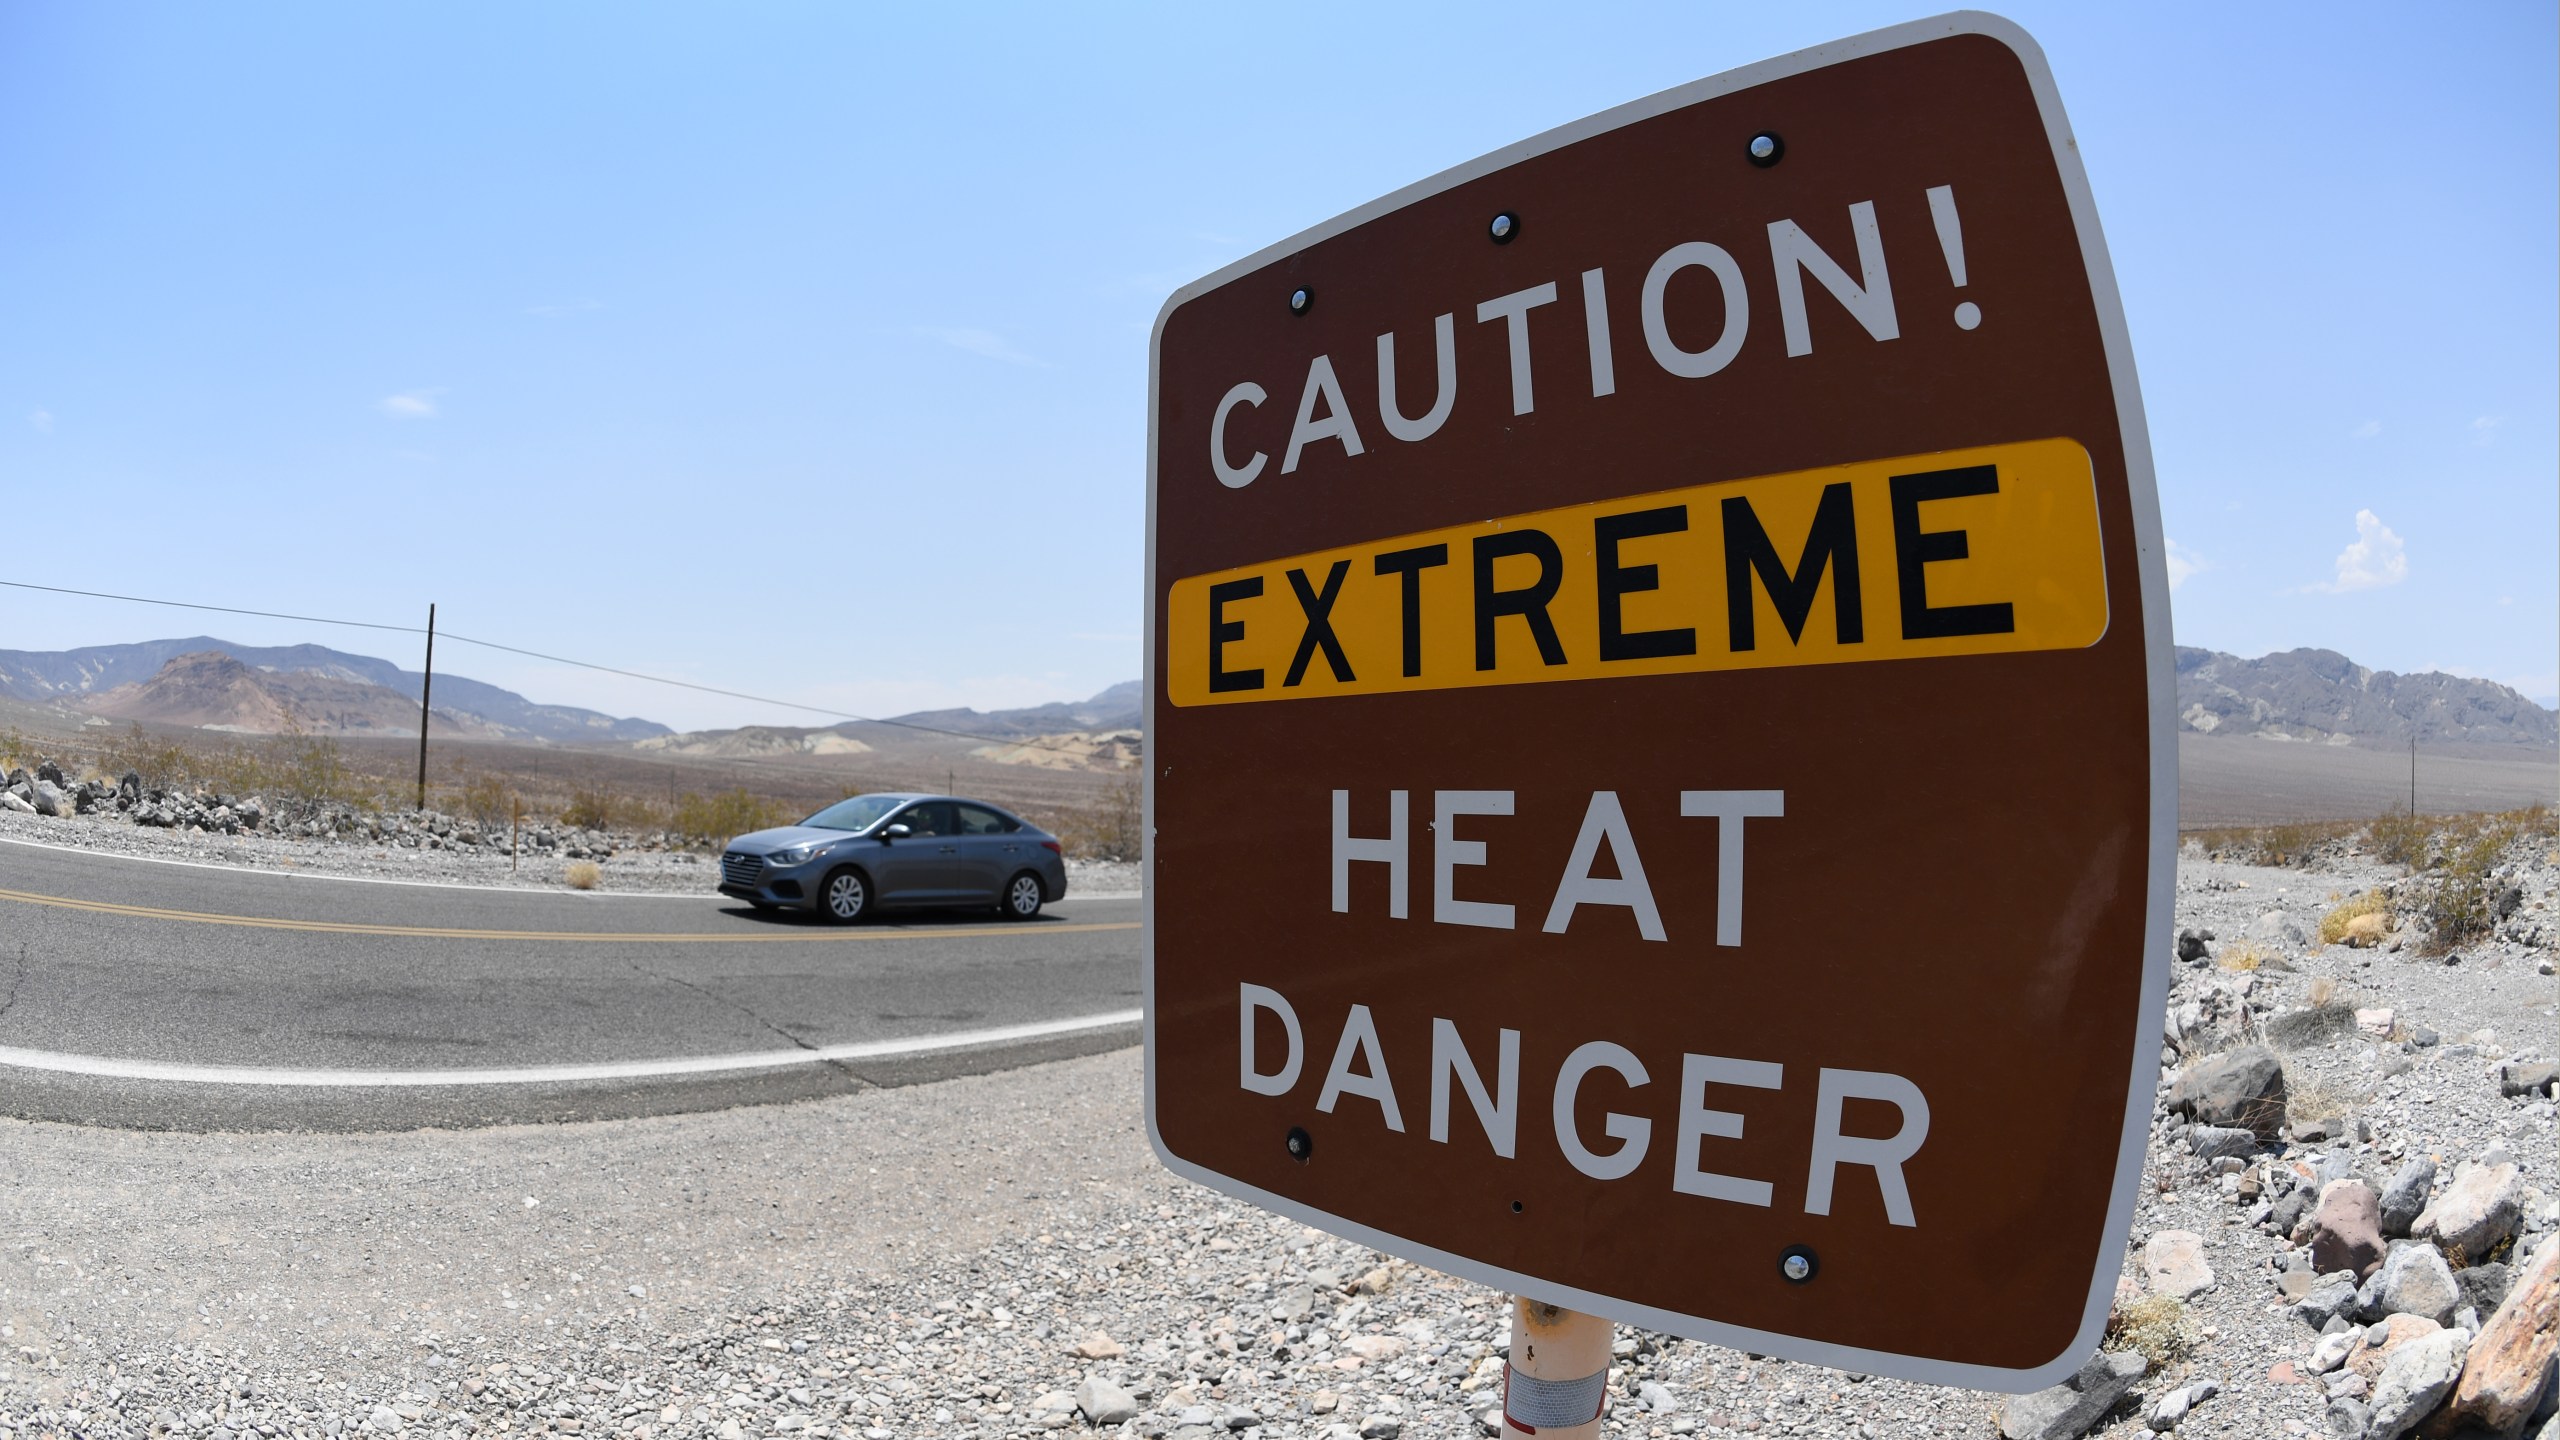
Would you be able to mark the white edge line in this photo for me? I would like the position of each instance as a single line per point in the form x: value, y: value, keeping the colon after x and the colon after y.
x: 2152, y: 574
x: 99, y: 1067
x: 428, y: 884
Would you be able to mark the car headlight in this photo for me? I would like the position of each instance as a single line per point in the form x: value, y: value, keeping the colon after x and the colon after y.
x: 796, y: 855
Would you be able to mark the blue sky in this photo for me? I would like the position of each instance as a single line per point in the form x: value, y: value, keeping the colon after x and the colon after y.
x: 801, y: 349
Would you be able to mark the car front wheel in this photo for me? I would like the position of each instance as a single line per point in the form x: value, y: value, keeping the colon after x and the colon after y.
x: 845, y: 897
x: 1022, y: 897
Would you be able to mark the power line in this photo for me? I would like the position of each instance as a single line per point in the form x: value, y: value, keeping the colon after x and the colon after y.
x: 1032, y: 742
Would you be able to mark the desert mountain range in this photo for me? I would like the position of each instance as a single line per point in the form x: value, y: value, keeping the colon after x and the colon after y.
x: 2318, y: 696
x: 265, y: 684
x: 2324, y: 697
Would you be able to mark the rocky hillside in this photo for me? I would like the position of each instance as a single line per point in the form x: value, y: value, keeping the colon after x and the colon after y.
x: 77, y: 677
x: 1119, y: 708
x: 2323, y: 697
x: 213, y: 691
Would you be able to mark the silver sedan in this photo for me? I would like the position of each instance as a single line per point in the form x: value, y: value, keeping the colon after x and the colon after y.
x: 895, y: 851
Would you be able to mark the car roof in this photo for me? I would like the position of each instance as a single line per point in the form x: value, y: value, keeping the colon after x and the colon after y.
x: 910, y: 796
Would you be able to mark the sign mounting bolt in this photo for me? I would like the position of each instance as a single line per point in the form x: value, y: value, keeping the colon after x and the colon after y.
x: 1799, y: 1264
x: 1301, y: 300
x: 1767, y: 148
x: 1302, y: 1146
x: 1504, y: 228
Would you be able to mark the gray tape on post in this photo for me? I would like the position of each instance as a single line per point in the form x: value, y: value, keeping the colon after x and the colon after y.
x: 1530, y: 1403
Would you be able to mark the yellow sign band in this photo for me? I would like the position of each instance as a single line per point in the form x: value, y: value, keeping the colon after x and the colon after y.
x: 1963, y: 552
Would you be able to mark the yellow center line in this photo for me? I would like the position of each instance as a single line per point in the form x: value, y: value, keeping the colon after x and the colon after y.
x: 434, y: 932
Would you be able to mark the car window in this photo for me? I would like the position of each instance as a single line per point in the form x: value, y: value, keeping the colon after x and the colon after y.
x: 978, y: 820
x: 931, y: 818
x: 853, y: 814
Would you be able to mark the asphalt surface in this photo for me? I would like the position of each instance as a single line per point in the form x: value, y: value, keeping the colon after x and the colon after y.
x: 166, y: 996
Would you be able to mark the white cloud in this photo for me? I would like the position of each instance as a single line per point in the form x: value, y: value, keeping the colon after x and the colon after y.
x: 2183, y: 562
x: 2485, y: 429
x: 409, y: 405
x: 979, y: 342
x: 2376, y: 558
x: 2365, y: 431
x: 42, y: 420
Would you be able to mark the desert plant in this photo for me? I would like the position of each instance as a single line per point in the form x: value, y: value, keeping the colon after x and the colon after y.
x: 2315, y: 1097
x: 485, y: 798
x: 2157, y: 1327
x: 718, y: 818
x: 2462, y: 904
x: 2399, y: 837
x: 1112, y: 828
x: 2241, y: 955
x: 591, y: 808
x: 160, y: 764
x: 582, y: 874
x: 2359, y: 921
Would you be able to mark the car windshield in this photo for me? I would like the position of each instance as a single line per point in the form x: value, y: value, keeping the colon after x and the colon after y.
x: 859, y: 813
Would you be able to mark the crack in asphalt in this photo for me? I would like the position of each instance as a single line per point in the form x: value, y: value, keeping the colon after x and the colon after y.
x: 719, y: 999
x: 17, y: 982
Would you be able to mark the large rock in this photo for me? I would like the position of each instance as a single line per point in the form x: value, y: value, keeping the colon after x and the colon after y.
x: 2346, y: 1228
x: 2405, y: 1198
x: 2276, y: 927
x: 1104, y: 1403
x: 2214, y: 1142
x: 9, y: 801
x: 49, y: 799
x: 2414, y: 1280
x: 2334, y: 1296
x: 2316, y: 1025
x: 2508, y: 1364
x: 2244, y: 1088
x: 2375, y: 1347
x: 2476, y: 1213
x: 2068, y: 1410
x: 2173, y: 1264
x: 2485, y: 1287
x: 2415, y: 1380
x: 2528, y: 1077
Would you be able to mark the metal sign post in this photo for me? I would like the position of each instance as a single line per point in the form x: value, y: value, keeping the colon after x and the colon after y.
x: 1677, y: 606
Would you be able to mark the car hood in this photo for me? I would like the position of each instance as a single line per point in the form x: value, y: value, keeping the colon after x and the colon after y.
x: 765, y: 842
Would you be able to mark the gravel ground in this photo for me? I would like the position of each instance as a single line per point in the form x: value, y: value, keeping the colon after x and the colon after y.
x: 966, y: 1259
x: 627, y: 871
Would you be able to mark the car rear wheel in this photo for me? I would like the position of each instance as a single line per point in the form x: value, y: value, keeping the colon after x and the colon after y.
x: 1021, y: 897
x: 845, y: 896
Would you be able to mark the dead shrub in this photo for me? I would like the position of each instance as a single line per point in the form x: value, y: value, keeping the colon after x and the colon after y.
x: 2157, y: 1327
x: 2359, y: 921
x: 2315, y: 1097
x: 582, y: 874
x: 2323, y: 990
x: 1113, y: 828
x: 2241, y: 956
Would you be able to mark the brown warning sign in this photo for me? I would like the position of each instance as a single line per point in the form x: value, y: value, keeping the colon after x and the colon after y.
x: 1659, y: 793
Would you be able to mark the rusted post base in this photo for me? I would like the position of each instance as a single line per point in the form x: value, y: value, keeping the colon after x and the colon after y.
x: 1558, y: 1379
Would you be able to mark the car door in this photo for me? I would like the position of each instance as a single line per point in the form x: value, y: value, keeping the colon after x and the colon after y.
x: 990, y: 852
x: 918, y: 869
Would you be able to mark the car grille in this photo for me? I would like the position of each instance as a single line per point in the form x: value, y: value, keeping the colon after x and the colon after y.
x: 737, y: 869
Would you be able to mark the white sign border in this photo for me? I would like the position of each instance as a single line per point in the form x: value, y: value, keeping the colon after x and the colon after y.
x: 2142, y: 1083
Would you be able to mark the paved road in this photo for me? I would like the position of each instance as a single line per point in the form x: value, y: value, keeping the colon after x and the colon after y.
x: 148, y: 994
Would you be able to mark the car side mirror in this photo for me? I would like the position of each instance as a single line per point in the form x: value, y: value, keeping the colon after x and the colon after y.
x: 896, y: 832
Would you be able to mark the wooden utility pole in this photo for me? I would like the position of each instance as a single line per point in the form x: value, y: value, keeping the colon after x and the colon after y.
x: 2413, y: 774
x: 426, y: 694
